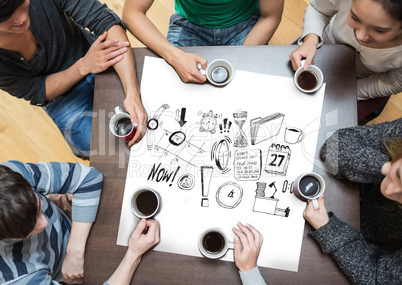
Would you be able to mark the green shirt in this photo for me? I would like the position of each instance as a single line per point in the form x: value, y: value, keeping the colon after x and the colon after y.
x: 215, y: 13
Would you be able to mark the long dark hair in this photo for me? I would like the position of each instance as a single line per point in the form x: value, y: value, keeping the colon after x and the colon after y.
x: 392, y: 7
x: 8, y: 7
x: 19, y: 205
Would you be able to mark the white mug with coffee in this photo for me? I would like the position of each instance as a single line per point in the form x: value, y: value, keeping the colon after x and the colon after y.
x: 120, y: 125
x: 309, y: 186
x: 219, y: 72
x: 213, y: 243
x: 293, y: 135
x: 310, y: 80
x: 145, y: 202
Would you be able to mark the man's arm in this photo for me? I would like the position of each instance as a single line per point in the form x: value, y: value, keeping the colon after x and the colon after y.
x: 185, y: 64
x: 73, y: 264
x: 264, y: 29
x: 128, y: 76
x: 101, y: 55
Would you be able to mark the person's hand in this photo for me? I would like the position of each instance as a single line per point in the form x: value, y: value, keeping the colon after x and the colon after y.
x: 145, y: 236
x: 73, y: 265
x: 316, y: 218
x: 102, y: 54
x: 134, y: 107
x: 307, y: 50
x: 185, y: 65
x: 246, y: 247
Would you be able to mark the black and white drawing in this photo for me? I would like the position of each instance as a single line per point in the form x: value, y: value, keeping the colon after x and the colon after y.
x: 206, y: 175
x: 278, y: 159
x: 268, y: 204
x: 208, y: 122
x: 262, y: 129
x: 225, y: 127
x: 153, y: 124
x: 248, y: 164
x: 186, y: 181
x: 293, y: 135
x: 220, y: 154
x: 229, y: 195
x: 240, y: 118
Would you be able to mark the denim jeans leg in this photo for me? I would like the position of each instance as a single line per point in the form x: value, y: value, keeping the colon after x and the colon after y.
x: 184, y: 33
x: 73, y: 116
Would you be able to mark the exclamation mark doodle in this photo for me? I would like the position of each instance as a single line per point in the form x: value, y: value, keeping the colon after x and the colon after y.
x: 174, y: 176
x: 220, y: 127
x: 230, y: 124
x: 225, y: 121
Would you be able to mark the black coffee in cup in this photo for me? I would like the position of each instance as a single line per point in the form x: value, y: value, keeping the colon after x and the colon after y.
x: 123, y: 127
x: 309, y: 186
x: 220, y: 74
x: 307, y: 80
x: 213, y: 242
x: 146, y: 203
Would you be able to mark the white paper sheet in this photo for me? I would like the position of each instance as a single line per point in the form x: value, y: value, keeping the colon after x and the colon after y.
x: 178, y: 152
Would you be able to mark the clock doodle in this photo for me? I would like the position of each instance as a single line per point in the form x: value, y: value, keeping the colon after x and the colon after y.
x: 229, y: 195
x: 208, y: 122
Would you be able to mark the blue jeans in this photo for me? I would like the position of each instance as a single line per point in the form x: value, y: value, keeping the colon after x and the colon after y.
x: 72, y: 113
x: 184, y: 33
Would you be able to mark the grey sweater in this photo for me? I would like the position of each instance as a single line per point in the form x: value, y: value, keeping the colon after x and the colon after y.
x: 61, y: 42
x: 374, y: 255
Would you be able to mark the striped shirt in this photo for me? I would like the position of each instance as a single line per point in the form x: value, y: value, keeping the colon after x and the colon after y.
x: 38, y: 259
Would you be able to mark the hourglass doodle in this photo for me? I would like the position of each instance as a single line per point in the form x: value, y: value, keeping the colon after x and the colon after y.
x: 240, y: 118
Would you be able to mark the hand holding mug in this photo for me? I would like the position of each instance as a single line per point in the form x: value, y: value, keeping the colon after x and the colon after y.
x: 219, y: 72
x: 309, y: 186
x: 316, y: 217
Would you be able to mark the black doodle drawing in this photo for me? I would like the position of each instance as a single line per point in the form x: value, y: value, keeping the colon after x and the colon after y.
x: 229, y: 195
x: 220, y: 154
x: 177, y: 145
x: 268, y: 205
x: 277, y: 159
x: 225, y: 127
x: 208, y: 122
x: 248, y: 164
x: 182, y: 116
x: 186, y: 181
x: 293, y: 135
x: 262, y: 129
x: 287, y: 186
x: 206, y: 175
x: 240, y: 118
x: 161, y: 174
x: 153, y: 123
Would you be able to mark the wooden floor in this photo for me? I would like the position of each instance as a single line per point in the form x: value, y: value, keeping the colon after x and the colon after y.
x: 28, y: 134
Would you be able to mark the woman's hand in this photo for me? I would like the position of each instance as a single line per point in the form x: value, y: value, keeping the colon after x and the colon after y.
x: 316, y: 218
x: 307, y: 50
x: 246, y: 247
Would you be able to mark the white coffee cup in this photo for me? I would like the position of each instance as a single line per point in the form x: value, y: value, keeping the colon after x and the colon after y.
x: 219, y: 72
x: 119, y: 118
x: 293, y: 135
x: 145, y: 202
x: 213, y: 243
x: 309, y: 186
x: 308, y: 81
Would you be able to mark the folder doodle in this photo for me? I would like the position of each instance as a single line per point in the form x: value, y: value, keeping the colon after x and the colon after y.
x: 262, y: 129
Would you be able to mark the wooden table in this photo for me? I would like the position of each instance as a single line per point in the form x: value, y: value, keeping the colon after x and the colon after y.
x: 110, y: 156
